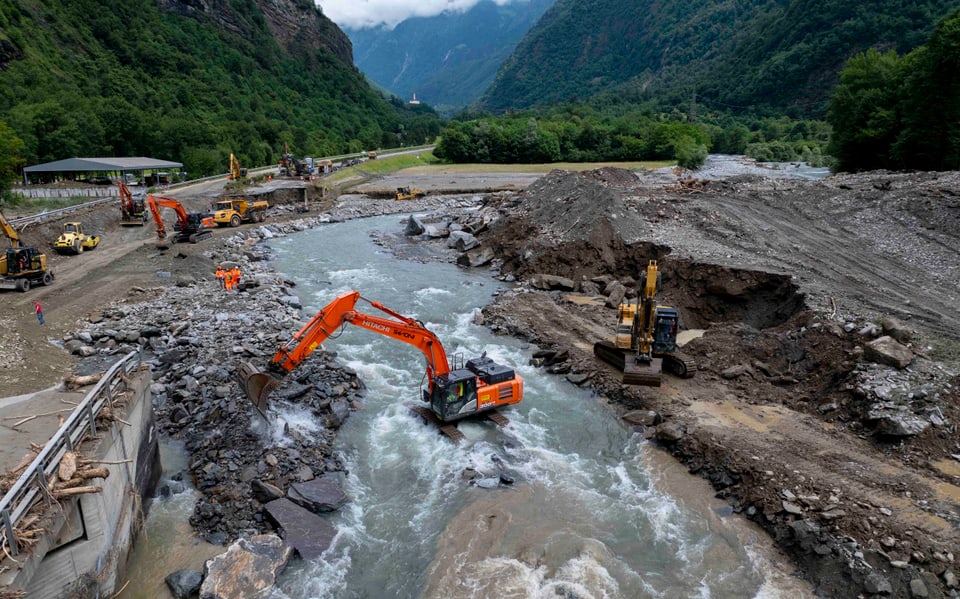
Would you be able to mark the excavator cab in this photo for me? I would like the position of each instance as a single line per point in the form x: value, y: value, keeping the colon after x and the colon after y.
x: 454, y: 395
x: 665, y: 330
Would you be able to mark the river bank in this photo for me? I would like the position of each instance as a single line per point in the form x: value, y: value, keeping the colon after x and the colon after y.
x: 790, y: 438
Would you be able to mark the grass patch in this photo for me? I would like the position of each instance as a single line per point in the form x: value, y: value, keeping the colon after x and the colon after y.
x: 382, y: 166
x: 34, y: 205
x: 440, y: 168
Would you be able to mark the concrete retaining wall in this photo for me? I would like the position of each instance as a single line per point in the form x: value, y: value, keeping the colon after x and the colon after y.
x: 98, y: 529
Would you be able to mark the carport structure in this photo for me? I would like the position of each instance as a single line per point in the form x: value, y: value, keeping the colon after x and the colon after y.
x: 107, y: 167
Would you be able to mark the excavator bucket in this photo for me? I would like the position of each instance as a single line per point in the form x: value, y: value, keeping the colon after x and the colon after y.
x: 642, y: 373
x: 257, y: 384
x: 634, y: 371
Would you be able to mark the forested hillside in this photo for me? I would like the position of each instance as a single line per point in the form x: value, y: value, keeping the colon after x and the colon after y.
x: 447, y: 60
x: 776, y: 55
x: 189, y: 81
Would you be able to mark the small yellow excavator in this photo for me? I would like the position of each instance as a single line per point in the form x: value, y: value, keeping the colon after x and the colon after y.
x: 236, y: 172
x: 646, y: 338
x: 408, y: 193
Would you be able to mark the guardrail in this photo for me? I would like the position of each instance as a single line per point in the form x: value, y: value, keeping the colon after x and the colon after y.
x: 32, y: 484
x: 58, y: 213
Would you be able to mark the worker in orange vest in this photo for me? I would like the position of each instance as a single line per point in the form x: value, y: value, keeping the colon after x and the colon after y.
x: 220, y: 276
x: 228, y: 280
x: 236, y: 276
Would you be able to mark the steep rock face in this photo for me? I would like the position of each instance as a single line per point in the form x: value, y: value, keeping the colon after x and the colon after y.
x: 297, y: 25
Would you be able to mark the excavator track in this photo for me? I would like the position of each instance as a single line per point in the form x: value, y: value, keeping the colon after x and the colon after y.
x: 449, y: 430
x: 676, y: 363
x: 679, y: 364
x: 497, y: 418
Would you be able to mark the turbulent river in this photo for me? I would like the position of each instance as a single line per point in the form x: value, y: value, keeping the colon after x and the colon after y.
x: 594, y: 511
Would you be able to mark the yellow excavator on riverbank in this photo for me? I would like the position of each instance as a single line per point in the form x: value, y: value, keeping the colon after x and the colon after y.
x: 646, y: 337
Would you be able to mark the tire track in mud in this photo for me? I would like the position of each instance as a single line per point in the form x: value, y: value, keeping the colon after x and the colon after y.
x: 831, y: 261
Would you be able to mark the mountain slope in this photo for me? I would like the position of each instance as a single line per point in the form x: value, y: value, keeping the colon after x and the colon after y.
x: 188, y: 80
x: 446, y: 60
x: 768, y: 54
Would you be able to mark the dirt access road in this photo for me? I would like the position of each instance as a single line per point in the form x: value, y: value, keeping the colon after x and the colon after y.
x: 772, y: 269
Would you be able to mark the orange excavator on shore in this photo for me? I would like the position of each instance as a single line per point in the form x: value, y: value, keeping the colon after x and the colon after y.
x: 190, y: 226
x: 454, y: 391
x: 132, y: 210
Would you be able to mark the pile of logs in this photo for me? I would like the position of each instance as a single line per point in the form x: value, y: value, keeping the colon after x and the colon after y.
x: 687, y: 185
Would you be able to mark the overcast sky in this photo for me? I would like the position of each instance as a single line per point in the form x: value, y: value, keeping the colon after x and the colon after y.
x: 356, y: 14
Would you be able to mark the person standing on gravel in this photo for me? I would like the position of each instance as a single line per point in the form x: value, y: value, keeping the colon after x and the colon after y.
x: 39, y: 312
x: 220, y: 275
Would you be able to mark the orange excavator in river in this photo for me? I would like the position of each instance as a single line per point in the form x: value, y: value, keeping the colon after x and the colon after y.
x: 453, y: 392
x: 192, y: 226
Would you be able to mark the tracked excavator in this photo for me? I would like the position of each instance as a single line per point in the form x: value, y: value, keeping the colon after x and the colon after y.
x: 236, y: 171
x: 133, y: 211
x: 645, y: 341
x: 454, y: 390
x: 190, y: 226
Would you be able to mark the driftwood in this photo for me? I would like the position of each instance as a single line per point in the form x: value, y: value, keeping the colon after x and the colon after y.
x: 68, y: 466
x: 75, y: 381
x: 62, y: 493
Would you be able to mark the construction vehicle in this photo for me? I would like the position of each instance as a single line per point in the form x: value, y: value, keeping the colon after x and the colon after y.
x: 21, y: 267
x: 291, y: 167
x: 408, y: 193
x: 190, y: 226
x: 74, y: 241
x: 231, y: 212
x: 453, y: 392
x: 236, y: 172
x: 371, y: 155
x: 646, y: 337
x: 133, y: 211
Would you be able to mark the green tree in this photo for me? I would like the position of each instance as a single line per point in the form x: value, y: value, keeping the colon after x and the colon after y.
x: 930, y: 138
x: 863, y: 111
x: 11, y: 147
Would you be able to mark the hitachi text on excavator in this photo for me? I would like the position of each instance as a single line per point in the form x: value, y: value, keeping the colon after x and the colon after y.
x: 454, y: 390
x: 646, y: 337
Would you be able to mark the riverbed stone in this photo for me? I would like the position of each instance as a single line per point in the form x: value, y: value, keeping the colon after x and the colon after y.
x: 184, y: 584
x: 309, y: 534
x: 888, y: 351
x: 248, y: 569
x: 318, y: 495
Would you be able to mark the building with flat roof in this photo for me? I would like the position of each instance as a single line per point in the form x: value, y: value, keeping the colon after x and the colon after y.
x: 108, y: 168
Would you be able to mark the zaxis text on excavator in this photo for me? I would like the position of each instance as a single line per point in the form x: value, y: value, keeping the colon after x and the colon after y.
x: 646, y: 337
x: 453, y: 392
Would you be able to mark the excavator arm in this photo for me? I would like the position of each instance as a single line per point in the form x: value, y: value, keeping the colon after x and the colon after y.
x: 9, y: 232
x: 324, y: 324
x: 645, y: 320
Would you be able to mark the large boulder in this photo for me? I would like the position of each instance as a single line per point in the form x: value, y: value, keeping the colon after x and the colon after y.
x: 184, y: 584
x: 896, y: 329
x: 476, y: 257
x: 414, y: 227
x: 307, y: 532
x: 248, y: 569
x: 552, y: 282
x: 888, y: 351
x: 462, y: 241
x: 318, y: 495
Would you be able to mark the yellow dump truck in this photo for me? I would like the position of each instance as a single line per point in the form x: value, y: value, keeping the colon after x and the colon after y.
x: 231, y: 212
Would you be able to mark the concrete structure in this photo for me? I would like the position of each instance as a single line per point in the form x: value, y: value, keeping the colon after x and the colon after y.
x: 87, y: 537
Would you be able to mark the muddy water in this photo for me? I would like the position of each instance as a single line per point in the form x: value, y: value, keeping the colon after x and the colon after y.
x: 594, y: 510
x: 167, y: 543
